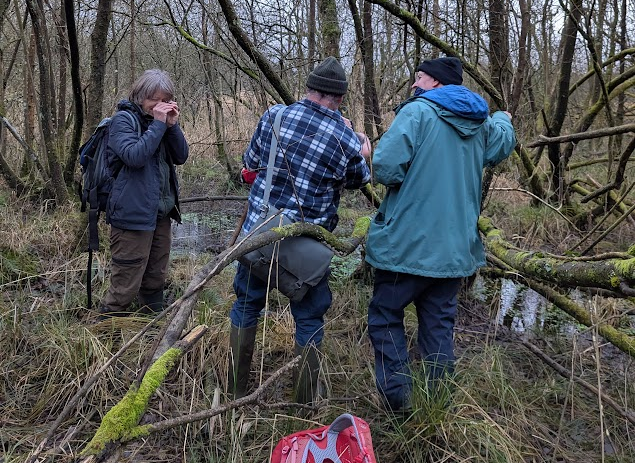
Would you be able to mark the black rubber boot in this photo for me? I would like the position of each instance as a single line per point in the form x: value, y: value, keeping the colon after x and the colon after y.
x: 152, y: 302
x: 241, y: 349
x: 305, y: 376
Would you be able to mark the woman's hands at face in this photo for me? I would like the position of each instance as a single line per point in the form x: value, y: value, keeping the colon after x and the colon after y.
x: 167, y: 112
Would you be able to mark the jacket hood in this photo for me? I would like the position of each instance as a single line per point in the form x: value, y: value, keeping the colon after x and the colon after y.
x: 459, y: 100
x: 463, y: 109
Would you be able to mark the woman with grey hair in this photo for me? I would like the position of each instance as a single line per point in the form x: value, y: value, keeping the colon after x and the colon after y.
x: 143, y: 149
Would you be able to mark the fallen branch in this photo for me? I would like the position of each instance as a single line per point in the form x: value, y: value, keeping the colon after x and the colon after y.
x: 135, y: 431
x: 120, y: 424
x: 612, y: 274
x: 589, y: 387
x: 576, y: 137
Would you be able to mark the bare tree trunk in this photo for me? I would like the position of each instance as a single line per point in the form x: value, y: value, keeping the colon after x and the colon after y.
x: 330, y: 28
x: 47, y: 97
x: 62, y: 47
x: 364, y: 35
x: 29, y: 107
x: 216, y: 116
x: 523, y: 58
x: 561, y: 96
x: 500, y: 65
x: 599, y: 18
x: 311, y: 32
x: 4, y: 6
x: 133, y: 43
x: 76, y: 86
x: 99, y: 49
x: 621, y: 99
x: 372, y: 113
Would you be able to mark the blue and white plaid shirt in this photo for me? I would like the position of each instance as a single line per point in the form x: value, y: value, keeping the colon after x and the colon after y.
x: 317, y: 157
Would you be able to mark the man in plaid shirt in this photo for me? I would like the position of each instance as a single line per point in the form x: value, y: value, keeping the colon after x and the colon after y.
x: 319, y: 155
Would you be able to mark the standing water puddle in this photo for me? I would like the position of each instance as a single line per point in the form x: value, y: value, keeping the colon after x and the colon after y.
x: 206, y: 229
x: 522, y: 309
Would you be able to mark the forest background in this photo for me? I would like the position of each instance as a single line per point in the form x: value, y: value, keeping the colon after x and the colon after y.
x: 553, y: 384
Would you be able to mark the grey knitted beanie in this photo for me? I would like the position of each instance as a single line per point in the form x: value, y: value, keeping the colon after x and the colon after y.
x: 328, y: 77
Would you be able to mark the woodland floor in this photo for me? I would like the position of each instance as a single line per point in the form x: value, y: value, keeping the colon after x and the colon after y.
x: 508, y: 405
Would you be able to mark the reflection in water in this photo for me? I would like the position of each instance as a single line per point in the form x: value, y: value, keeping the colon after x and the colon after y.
x: 202, y: 232
x: 192, y: 236
x: 521, y: 308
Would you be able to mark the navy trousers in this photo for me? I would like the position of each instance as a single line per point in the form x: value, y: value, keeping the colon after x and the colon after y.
x: 435, y: 300
x: 251, y: 294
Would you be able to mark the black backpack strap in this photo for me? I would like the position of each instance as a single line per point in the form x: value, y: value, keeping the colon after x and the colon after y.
x: 93, y: 245
x: 89, y: 281
x: 93, y: 222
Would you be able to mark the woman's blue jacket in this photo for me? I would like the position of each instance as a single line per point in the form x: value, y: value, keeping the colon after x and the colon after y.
x: 146, y: 187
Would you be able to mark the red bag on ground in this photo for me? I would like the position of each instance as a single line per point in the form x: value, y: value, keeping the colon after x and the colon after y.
x: 346, y: 440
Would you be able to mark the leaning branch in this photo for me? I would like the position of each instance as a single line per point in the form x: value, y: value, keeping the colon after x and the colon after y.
x: 243, y: 40
x: 419, y: 29
x: 613, y: 274
x: 186, y: 302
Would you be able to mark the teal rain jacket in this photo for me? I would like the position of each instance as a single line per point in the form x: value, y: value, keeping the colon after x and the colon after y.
x: 431, y: 160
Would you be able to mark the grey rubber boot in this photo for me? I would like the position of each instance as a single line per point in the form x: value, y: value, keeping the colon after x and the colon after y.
x: 241, y: 349
x: 305, y: 376
x: 150, y: 303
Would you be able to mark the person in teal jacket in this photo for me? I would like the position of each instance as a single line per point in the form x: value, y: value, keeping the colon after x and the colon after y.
x: 424, y: 238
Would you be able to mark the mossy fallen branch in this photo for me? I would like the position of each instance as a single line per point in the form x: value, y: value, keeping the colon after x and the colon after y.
x: 120, y: 423
x: 614, y: 274
x: 128, y: 406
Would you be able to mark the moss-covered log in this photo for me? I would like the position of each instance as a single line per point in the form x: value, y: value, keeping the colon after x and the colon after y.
x: 120, y: 423
x: 614, y: 274
x: 106, y: 441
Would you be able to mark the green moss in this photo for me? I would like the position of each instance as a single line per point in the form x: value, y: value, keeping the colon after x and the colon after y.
x: 626, y: 268
x: 285, y: 231
x: 520, y: 257
x: 120, y: 423
x: 361, y: 227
